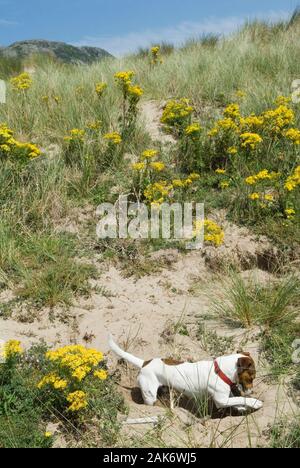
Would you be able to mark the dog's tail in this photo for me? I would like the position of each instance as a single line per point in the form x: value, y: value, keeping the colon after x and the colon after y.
x: 122, y: 354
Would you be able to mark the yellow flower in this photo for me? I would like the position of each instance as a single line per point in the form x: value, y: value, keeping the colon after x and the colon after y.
x: 252, y: 122
x: 194, y: 176
x: 261, y: 176
x: 139, y: 166
x: 232, y: 111
x: 76, y: 135
x: 188, y: 182
x: 21, y: 82
x: 81, y: 372
x: 78, y: 401
x: 269, y: 198
x: 250, y: 140
x: 213, y: 233
x: 157, y: 166
x: 232, y: 150
x: 48, y: 435
x: 12, y: 348
x: 277, y: 120
x: 124, y: 77
x: 224, y: 185
x: 101, y: 374
x: 177, y: 112
x: 155, y: 49
x: 114, y: 138
x: 290, y: 213
x: 94, y: 125
x: 193, y: 130
x: 293, y: 181
x: 149, y: 154
x: 283, y: 101
x: 54, y: 381
x: 100, y: 88
x: 157, y: 193
x: 177, y: 183
x: 293, y: 134
x: 221, y: 171
x: 254, y: 196
x: 155, y: 52
x: 135, y: 91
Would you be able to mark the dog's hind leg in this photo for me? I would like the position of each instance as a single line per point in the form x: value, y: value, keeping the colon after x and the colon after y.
x: 149, y: 388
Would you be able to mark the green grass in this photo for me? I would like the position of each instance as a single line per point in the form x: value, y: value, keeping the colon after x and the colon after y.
x: 249, y: 303
x: 286, y: 434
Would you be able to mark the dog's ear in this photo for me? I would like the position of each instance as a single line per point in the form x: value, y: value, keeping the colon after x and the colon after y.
x: 245, y: 363
x: 243, y: 353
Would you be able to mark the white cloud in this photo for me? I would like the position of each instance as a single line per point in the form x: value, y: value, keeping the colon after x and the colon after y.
x: 123, y: 44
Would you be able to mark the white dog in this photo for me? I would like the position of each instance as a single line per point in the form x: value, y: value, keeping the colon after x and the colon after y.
x: 220, y: 379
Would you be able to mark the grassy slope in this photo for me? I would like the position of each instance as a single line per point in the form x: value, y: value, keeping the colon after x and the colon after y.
x: 261, y: 60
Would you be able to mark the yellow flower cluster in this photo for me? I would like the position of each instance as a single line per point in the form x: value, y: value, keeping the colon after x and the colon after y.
x: 124, y: 81
x: 253, y: 122
x: 278, y: 119
x: 94, y: 125
x: 250, y: 140
x: 156, y: 57
x: 158, y: 166
x: 100, y: 88
x: 54, y: 381
x: 149, y: 154
x: 124, y: 78
x: 77, y: 359
x: 147, y: 163
x: 271, y: 123
x: 21, y: 82
x: 293, y: 134
x: 177, y: 112
x: 114, y: 138
x: 76, y: 136
x: 283, y: 101
x: 232, y: 111
x: 232, y: 150
x: 227, y: 124
x: 12, y: 348
x: 77, y: 401
x: 261, y: 176
x: 257, y: 196
x: 293, y: 181
x: 9, y: 146
x: 101, y: 374
x: 220, y: 171
x: 158, y: 192
x: 290, y: 213
x: 213, y: 233
x: 193, y: 130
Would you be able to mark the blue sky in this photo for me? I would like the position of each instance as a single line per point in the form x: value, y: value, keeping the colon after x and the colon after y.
x: 121, y: 26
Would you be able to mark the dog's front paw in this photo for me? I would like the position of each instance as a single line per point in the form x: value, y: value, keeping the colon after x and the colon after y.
x: 255, y: 404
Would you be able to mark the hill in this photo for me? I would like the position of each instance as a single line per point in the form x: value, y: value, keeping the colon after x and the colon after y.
x: 60, y: 50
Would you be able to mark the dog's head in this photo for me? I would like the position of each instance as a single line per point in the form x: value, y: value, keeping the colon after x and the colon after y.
x: 246, y: 372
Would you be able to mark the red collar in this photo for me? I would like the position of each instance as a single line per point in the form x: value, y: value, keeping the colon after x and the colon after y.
x: 223, y: 376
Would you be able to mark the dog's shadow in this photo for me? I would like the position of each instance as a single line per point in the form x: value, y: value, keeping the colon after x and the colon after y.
x: 199, y: 409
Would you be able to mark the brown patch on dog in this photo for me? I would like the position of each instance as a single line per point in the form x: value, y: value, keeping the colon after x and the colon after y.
x: 172, y: 362
x: 246, y: 372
